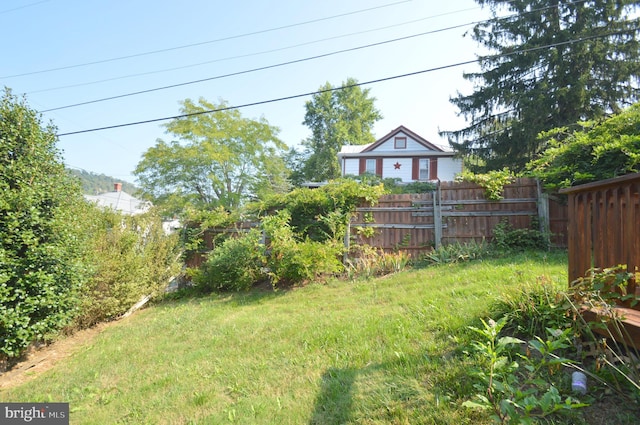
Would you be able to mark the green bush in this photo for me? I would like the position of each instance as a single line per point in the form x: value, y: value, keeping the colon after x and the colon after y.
x: 130, y: 256
x: 307, y: 206
x: 235, y: 265
x: 40, y: 243
x: 599, y: 150
x: 291, y: 261
x: 241, y: 262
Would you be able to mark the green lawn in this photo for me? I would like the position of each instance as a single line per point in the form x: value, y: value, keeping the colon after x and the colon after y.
x: 383, y: 351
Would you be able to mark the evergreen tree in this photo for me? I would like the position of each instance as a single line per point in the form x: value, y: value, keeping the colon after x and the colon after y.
x: 557, y: 62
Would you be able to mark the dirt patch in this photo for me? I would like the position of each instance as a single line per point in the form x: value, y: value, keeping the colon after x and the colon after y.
x: 43, y: 358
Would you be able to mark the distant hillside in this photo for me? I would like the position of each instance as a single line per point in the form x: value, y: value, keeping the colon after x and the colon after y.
x: 95, y: 184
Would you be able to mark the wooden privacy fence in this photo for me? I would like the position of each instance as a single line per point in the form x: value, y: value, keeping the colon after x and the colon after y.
x: 458, y: 212
x: 604, y: 229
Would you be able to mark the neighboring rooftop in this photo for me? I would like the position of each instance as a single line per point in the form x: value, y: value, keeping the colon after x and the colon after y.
x: 120, y: 201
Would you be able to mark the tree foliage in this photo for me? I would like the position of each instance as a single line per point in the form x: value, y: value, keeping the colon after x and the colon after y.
x: 320, y: 214
x: 601, y: 150
x: 557, y: 62
x: 218, y: 159
x: 40, y: 243
x: 336, y: 117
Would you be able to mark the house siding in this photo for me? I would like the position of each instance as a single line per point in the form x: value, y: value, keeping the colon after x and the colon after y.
x: 442, y: 164
x: 389, y: 145
x: 389, y: 171
x: 351, y: 166
x: 447, y: 168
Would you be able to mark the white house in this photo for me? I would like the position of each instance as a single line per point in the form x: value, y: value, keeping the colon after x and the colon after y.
x: 120, y: 201
x: 401, y: 154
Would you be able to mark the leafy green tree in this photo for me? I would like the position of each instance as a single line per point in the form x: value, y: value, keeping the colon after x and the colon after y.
x: 218, y: 159
x: 336, y: 117
x: 601, y: 150
x: 556, y: 62
x: 40, y: 250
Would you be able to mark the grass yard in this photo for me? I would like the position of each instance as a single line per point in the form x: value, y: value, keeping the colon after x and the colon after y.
x: 382, y: 351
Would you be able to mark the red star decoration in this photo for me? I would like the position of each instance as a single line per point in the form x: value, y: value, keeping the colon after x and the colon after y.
x: 397, y: 165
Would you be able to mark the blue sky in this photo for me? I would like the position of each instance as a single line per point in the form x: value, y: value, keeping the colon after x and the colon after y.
x: 44, y: 35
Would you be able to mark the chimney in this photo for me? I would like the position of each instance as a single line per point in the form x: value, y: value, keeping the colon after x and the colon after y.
x: 117, y: 187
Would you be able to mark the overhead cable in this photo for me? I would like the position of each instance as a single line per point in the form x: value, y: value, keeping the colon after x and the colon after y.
x: 489, y: 57
x: 284, y: 63
x: 262, y: 68
x: 232, y: 37
x: 247, y: 55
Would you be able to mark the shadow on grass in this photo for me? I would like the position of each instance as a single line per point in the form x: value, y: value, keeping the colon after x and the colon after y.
x: 334, y: 402
x: 427, y: 386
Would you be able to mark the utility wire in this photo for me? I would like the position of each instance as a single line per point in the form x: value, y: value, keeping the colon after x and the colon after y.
x: 324, y: 55
x: 290, y: 62
x: 250, y: 54
x: 490, y: 57
x: 232, y: 37
x: 2, y: 12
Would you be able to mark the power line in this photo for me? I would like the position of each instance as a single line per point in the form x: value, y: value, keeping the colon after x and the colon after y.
x: 288, y: 62
x: 490, y: 57
x: 259, y: 68
x: 2, y: 12
x: 232, y: 37
x: 250, y: 54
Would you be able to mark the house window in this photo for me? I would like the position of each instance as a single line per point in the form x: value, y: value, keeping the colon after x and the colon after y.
x: 423, y: 174
x: 370, y: 167
x: 400, y: 143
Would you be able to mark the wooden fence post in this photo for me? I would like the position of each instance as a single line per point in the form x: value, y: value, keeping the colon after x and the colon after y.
x: 437, y: 216
x: 347, y: 237
x: 543, y: 213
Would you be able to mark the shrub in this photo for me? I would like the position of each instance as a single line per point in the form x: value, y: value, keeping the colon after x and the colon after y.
x: 519, y: 388
x: 307, y: 206
x: 130, y: 257
x: 40, y: 242
x: 542, y: 313
x: 293, y: 262
x: 304, y: 261
x: 235, y: 265
x: 533, y: 309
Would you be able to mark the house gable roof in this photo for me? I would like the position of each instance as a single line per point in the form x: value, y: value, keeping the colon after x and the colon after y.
x: 120, y: 201
x: 402, y: 129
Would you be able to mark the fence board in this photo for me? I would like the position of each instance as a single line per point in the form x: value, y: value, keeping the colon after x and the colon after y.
x: 604, y: 229
x: 465, y: 213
